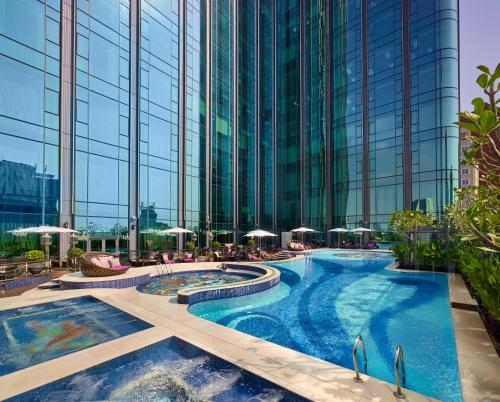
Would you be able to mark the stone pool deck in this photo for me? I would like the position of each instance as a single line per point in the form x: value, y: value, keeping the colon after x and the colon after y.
x: 303, y: 374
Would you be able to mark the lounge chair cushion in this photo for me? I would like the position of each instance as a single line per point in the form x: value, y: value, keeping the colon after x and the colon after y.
x: 119, y: 267
x: 115, y: 262
x: 105, y: 260
x: 100, y: 263
x: 188, y: 260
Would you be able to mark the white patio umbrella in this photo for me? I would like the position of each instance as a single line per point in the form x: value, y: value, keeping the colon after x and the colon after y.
x: 259, y: 233
x: 41, y: 229
x: 361, y: 231
x: 175, y: 231
x: 339, y: 230
x: 303, y: 230
x: 46, y: 231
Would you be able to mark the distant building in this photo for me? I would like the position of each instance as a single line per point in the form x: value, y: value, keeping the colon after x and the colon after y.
x: 469, y: 175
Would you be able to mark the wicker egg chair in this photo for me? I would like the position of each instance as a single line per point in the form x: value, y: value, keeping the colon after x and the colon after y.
x: 88, y: 268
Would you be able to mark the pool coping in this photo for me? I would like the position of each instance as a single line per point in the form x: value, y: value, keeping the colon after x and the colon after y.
x: 305, y: 375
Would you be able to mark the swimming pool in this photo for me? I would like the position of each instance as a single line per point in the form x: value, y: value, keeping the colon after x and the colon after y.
x: 34, y: 334
x: 323, y: 302
x: 168, y: 285
x: 170, y: 370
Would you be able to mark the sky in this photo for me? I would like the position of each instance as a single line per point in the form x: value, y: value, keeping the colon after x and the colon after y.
x: 479, y: 44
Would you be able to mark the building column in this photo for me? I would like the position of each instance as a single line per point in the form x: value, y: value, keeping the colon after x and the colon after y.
x: 66, y: 127
x: 181, y: 199
x: 208, y: 122
x: 236, y: 128
x: 257, y: 113
x: 134, y: 124
x: 406, y: 87
x: 302, y: 16
x: 365, y: 153
x: 328, y: 118
x: 274, y: 125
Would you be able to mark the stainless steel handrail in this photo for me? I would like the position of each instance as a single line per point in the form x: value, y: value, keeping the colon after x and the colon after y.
x: 359, y: 340
x: 399, y: 358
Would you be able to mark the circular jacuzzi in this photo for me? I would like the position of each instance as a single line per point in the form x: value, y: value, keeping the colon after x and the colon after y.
x: 169, y: 285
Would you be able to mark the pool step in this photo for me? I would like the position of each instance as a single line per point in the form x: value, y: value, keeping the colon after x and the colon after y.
x: 55, y: 284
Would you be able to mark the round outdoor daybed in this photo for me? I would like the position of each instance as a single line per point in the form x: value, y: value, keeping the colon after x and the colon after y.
x: 90, y: 268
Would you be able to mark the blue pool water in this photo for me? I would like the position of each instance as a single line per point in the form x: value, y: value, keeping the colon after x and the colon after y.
x: 170, y: 370
x: 34, y: 334
x: 325, y: 301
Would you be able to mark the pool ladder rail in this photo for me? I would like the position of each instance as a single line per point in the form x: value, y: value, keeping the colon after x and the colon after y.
x: 359, y: 341
x: 168, y: 269
x: 398, y: 362
x: 399, y: 359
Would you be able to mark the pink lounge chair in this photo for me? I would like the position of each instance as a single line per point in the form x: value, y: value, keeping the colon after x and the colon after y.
x: 188, y: 258
x: 166, y: 259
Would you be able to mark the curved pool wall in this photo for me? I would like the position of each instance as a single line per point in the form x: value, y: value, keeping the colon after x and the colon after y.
x: 169, y: 285
x: 259, y: 278
x: 324, y: 301
x: 268, y: 278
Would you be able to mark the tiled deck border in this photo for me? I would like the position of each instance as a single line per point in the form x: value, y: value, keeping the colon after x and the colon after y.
x: 31, y: 280
x: 118, y: 283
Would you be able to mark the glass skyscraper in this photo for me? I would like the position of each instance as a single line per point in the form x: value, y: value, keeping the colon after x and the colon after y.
x: 123, y: 117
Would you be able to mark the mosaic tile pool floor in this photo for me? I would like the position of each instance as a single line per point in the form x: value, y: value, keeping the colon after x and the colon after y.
x: 34, y: 334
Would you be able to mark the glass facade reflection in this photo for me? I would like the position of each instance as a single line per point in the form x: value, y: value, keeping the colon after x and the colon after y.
x: 102, y: 117
x: 29, y: 115
x: 288, y: 186
x: 158, y: 117
x: 338, y: 113
x: 222, y: 130
x: 247, y: 109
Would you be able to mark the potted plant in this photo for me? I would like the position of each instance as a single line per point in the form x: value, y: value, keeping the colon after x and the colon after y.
x: 215, y: 245
x: 251, y: 243
x: 190, y: 245
x: 36, y: 261
x: 73, y: 254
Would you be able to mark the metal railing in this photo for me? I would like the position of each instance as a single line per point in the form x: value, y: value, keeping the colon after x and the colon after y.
x: 399, y: 359
x: 359, y: 341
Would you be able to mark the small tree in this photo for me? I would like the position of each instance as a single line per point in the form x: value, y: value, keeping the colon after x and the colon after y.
x: 480, y: 205
x: 410, y: 225
x: 251, y: 243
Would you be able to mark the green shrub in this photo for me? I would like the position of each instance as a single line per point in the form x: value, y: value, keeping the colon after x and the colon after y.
x: 251, y: 243
x: 482, y: 270
x: 402, y: 252
x: 190, y: 245
x: 35, y: 255
x: 215, y: 245
x: 74, y: 252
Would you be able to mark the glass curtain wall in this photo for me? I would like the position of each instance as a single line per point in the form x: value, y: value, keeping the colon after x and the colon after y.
x: 288, y: 114
x: 159, y: 114
x: 246, y: 115
x: 265, y: 100
x: 315, y: 109
x: 346, y: 113
x: 195, y: 115
x: 29, y: 119
x: 102, y: 117
x: 385, y: 114
x: 222, y: 130
x: 434, y: 102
